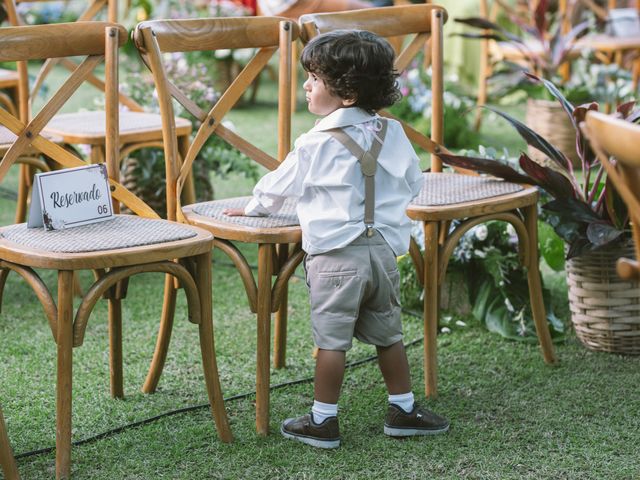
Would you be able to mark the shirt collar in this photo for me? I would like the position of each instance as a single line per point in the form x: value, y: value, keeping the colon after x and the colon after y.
x: 343, y: 117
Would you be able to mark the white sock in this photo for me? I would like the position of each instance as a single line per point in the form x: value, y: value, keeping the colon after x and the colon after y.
x: 403, y: 400
x: 322, y: 411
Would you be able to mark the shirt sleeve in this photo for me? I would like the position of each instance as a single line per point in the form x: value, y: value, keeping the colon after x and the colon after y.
x: 415, y: 178
x: 285, y: 181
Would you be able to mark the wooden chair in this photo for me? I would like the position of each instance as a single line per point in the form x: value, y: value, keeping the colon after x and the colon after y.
x: 445, y: 196
x: 492, y: 52
x: 138, y: 129
x: 7, y: 462
x: 272, y: 234
x: 114, y: 249
x: 610, y: 136
x: 608, y: 48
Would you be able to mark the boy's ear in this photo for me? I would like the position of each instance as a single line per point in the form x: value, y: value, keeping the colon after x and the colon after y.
x: 347, y: 102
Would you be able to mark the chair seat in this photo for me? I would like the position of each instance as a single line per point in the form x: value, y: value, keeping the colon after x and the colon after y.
x: 281, y: 227
x: 446, y: 196
x: 608, y: 43
x: 8, y: 78
x: 7, y: 137
x: 124, y: 236
x: 90, y: 127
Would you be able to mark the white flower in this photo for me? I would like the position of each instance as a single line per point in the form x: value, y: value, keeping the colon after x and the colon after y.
x: 481, y: 232
x: 511, y: 231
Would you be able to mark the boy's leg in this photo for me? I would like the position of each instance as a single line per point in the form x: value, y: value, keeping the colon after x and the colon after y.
x: 323, y: 431
x: 329, y: 375
x: 404, y: 418
x: 395, y: 368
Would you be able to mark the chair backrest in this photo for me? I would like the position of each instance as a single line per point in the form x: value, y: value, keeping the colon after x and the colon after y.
x: 95, y: 41
x: 92, y: 11
x: 423, y: 25
x: 612, y: 137
x: 264, y: 34
x: 7, y: 462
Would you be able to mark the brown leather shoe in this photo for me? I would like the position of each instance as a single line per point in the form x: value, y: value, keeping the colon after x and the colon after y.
x: 305, y: 430
x: 419, y: 421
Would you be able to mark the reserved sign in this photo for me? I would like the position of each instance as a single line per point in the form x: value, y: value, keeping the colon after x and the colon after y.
x: 70, y: 198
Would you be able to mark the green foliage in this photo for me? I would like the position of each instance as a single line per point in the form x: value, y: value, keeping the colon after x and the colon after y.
x: 585, y: 210
x: 487, y: 257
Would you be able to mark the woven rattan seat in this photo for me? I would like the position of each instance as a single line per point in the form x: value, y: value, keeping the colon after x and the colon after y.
x: 452, y: 188
x: 286, y: 216
x: 123, y: 231
x: 91, y: 125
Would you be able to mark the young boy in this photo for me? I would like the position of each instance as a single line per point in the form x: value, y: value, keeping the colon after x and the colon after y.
x: 352, y: 232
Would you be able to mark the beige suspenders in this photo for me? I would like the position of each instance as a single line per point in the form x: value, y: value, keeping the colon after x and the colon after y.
x: 368, y: 164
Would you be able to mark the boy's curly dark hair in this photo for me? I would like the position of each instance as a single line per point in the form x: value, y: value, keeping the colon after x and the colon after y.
x: 354, y: 65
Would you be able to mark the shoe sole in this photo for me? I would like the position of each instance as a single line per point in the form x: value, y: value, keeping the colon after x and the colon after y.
x: 314, y: 442
x: 412, y: 432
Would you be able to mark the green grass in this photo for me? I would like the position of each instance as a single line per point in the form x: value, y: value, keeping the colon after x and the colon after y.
x: 512, y: 416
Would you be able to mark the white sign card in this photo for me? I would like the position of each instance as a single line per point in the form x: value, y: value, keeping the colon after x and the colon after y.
x: 70, y: 198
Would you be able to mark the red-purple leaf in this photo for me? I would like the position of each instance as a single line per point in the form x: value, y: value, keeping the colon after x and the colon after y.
x: 556, y: 184
x: 485, y: 165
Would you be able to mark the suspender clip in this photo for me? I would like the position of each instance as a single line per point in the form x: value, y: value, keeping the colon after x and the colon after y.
x: 370, y: 231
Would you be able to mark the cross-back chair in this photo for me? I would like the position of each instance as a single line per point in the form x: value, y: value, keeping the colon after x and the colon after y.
x: 272, y: 235
x: 115, y: 249
x: 138, y: 129
x: 7, y: 462
x: 619, y: 139
x: 445, y: 197
x: 608, y: 46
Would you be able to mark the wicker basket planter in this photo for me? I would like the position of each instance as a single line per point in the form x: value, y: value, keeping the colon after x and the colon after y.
x: 549, y: 119
x: 605, y: 310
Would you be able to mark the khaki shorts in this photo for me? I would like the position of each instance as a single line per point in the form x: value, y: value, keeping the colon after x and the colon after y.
x: 355, y: 291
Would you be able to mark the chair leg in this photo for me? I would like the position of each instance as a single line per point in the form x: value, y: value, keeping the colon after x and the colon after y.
x: 535, y: 286
x: 64, y: 336
x: 263, y: 314
x: 164, y: 336
x: 431, y: 308
x: 115, y: 348
x: 23, y: 193
x: 280, y: 323
x: 7, y: 462
x: 207, y: 347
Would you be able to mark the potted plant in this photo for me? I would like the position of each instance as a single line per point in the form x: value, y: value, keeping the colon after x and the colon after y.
x: 542, y: 42
x: 586, y: 212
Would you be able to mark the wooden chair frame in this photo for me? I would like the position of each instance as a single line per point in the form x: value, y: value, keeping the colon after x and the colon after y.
x: 131, y: 140
x: 275, y: 255
x: 97, y: 41
x: 610, y: 136
x: 519, y: 209
x: 7, y: 462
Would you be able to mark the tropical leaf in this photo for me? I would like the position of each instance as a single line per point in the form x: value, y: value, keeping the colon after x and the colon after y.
x: 555, y: 183
x: 555, y: 92
x: 602, y: 233
x: 535, y: 140
x: 483, y: 23
x: 572, y: 209
x: 583, y: 147
x: 626, y: 109
x: 485, y: 165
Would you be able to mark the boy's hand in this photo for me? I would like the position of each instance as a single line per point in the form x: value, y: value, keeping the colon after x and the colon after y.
x: 234, y: 212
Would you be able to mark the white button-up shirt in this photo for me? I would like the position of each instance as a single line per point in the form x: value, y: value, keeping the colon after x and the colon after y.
x: 328, y: 184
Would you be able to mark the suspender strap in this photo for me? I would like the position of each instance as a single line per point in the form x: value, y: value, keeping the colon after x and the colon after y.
x: 368, y: 165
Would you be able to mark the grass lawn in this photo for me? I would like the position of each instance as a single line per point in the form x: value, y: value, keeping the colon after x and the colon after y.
x: 512, y: 416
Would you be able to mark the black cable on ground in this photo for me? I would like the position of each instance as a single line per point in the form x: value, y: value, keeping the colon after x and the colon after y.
x: 146, y: 421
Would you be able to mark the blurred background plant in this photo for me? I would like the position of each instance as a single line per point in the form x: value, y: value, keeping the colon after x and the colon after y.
x: 415, y: 107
